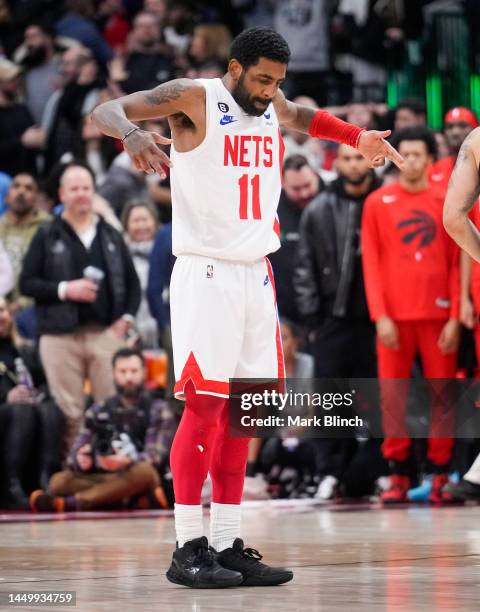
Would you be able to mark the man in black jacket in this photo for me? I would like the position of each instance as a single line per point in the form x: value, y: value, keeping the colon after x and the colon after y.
x: 300, y: 185
x: 330, y: 294
x: 79, y: 271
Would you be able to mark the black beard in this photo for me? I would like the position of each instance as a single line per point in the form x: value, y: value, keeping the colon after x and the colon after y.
x: 130, y: 392
x: 35, y: 57
x: 357, y: 181
x: 20, y: 207
x: 245, y: 101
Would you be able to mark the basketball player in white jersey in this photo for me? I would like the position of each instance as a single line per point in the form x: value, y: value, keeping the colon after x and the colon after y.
x: 462, y: 196
x: 226, y: 160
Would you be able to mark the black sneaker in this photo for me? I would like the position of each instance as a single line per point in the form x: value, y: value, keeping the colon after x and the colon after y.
x: 464, y: 490
x: 247, y: 562
x: 194, y: 565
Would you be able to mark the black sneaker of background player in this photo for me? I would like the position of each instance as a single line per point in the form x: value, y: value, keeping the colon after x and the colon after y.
x: 194, y: 565
x: 247, y: 562
x: 463, y: 490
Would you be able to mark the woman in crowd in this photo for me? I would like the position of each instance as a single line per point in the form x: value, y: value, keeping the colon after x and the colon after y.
x: 140, y: 223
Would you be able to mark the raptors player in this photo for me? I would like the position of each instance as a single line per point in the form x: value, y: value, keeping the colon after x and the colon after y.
x: 226, y: 160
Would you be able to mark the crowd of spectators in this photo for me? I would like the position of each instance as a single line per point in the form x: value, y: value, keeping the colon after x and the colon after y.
x: 85, y: 247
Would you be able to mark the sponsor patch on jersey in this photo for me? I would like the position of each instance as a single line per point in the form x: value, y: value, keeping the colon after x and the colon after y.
x: 265, y: 282
x: 223, y: 107
x: 226, y: 119
x: 442, y: 302
x: 389, y: 199
x: 210, y: 271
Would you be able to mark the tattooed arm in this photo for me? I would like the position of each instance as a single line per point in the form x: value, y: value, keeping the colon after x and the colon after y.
x: 180, y: 98
x: 462, y: 194
x: 321, y: 124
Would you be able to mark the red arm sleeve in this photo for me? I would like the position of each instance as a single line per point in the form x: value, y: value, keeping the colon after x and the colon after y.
x: 324, y: 125
x: 371, y: 261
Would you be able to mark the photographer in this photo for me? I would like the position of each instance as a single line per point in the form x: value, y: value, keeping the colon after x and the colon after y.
x: 121, y: 451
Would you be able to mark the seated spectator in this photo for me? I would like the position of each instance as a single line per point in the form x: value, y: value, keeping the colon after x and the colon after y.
x: 16, y: 150
x: 122, y: 450
x: 80, y: 273
x: 140, y: 224
x: 6, y: 272
x: 30, y: 425
x: 19, y: 225
x: 40, y: 60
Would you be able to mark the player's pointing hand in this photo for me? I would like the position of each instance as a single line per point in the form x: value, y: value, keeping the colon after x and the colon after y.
x: 373, y: 146
x: 142, y: 148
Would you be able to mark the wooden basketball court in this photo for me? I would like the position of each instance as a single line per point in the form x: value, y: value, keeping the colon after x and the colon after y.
x: 345, y: 558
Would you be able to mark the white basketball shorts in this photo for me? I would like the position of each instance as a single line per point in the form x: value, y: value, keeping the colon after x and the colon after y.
x: 224, y: 323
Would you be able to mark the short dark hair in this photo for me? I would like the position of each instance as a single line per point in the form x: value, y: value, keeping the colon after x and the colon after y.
x: 252, y: 44
x: 415, y: 105
x: 295, y: 162
x: 125, y: 353
x: 417, y: 133
x: 30, y: 176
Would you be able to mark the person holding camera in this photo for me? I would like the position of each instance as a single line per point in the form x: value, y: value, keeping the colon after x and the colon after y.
x: 81, y: 275
x: 122, y: 450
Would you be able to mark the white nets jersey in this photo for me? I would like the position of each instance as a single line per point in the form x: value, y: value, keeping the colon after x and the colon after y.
x: 225, y: 191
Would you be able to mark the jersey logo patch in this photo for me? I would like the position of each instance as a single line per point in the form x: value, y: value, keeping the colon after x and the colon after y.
x: 209, y: 271
x: 226, y: 119
x: 265, y: 282
x: 223, y: 108
x: 266, y: 115
x: 421, y: 225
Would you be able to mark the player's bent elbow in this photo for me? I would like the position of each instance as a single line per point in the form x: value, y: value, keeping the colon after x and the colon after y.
x: 453, y: 221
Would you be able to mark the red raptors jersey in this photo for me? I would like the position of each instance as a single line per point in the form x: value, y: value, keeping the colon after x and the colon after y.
x: 410, y: 263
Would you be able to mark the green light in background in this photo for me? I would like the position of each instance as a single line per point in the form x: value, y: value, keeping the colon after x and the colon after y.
x: 475, y: 92
x: 434, y: 101
x: 392, y: 93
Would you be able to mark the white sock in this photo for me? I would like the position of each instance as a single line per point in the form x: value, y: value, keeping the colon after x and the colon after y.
x: 473, y: 474
x: 188, y: 522
x: 224, y: 525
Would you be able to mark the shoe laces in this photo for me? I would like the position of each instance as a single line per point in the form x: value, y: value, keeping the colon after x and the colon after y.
x: 251, y: 554
x: 203, y: 556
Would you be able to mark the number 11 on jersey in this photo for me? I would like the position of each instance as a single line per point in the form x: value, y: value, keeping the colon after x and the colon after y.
x: 244, y: 185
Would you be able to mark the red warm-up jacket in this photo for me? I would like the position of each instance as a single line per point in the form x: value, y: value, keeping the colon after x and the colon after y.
x: 410, y: 263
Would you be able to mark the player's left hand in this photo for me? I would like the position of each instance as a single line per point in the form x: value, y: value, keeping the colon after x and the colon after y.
x: 373, y: 146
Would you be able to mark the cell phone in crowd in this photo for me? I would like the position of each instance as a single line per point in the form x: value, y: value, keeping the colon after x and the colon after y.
x: 94, y: 274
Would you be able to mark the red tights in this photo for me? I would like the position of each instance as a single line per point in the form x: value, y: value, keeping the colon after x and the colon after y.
x: 202, y: 445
